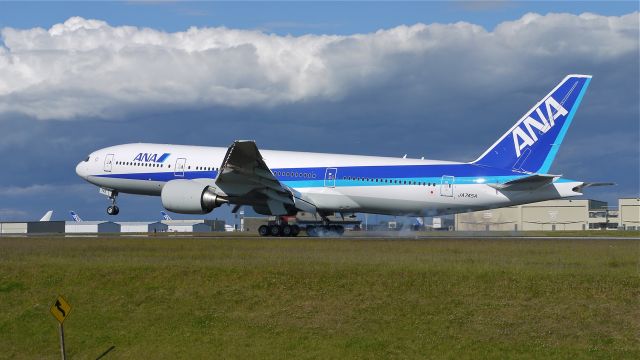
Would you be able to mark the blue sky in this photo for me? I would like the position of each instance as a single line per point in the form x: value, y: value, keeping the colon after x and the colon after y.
x: 94, y: 77
x: 296, y: 18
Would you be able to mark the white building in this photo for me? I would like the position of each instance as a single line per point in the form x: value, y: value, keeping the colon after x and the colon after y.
x: 564, y: 214
x: 183, y: 225
x: 91, y: 227
x: 31, y: 227
x: 187, y: 225
x: 629, y: 213
x: 142, y: 227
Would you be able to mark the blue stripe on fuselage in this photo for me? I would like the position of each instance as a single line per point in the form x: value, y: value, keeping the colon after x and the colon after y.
x: 357, y: 175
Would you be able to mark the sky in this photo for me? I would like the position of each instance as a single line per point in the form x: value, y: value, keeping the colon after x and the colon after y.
x: 437, y: 79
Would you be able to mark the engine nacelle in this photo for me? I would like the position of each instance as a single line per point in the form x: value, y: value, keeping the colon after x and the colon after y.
x: 189, y: 197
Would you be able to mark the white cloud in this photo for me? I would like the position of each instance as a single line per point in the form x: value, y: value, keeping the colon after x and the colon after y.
x: 87, y: 68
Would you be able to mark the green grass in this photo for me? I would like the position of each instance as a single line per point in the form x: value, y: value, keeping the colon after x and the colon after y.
x: 321, y: 298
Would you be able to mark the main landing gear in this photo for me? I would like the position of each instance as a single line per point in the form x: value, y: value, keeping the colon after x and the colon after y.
x: 111, y: 194
x: 282, y: 227
x: 279, y: 230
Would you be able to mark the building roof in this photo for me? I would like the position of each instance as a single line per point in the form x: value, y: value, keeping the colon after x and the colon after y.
x: 88, y: 222
x: 184, y: 222
x: 138, y: 223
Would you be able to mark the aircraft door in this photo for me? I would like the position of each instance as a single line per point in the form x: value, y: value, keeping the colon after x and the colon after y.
x: 108, y: 163
x: 330, y: 176
x: 446, y: 186
x: 179, y: 169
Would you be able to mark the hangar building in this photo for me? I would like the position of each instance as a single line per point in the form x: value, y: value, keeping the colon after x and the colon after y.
x: 32, y: 227
x: 91, y: 227
x: 629, y: 213
x: 187, y: 226
x: 545, y: 215
x: 142, y: 227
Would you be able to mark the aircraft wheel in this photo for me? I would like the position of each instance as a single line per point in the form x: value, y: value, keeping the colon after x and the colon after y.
x: 286, y: 230
x: 263, y: 230
x: 295, y: 230
x: 274, y: 230
x: 340, y: 230
x: 113, y: 210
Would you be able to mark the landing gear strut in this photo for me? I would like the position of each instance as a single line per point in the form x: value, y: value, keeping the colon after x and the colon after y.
x: 111, y: 194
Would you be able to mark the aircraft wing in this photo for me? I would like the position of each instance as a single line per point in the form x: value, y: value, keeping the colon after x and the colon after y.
x: 245, y: 177
x: 530, y: 182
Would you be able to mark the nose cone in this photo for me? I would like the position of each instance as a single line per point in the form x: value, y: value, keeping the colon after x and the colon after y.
x: 81, y: 169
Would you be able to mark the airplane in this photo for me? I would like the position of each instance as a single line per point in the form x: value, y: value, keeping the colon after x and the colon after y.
x: 165, y: 216
x: 197, y: 179
x: 47, y: 216
x: 75, y: 216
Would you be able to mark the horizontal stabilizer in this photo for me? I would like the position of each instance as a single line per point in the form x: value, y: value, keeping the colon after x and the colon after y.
x: 590, y: 184
x: 530, y: 182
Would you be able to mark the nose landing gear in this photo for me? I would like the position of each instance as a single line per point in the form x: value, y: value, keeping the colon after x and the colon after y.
x: 113, y: 210
x: 111, y: 194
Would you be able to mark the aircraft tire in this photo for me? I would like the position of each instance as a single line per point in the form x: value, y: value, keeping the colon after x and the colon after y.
x: 113, y: 210
x: 286, y: 230
x: 295, y: 230
x: 263, y: 230
x: 274, y: 230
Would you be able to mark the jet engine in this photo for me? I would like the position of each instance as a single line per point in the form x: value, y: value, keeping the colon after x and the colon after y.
x: 190, y: 197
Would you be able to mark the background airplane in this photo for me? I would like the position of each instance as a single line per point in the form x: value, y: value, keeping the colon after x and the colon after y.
x: 47, y: 216
x: 165, y: 216
x: 75, y: 216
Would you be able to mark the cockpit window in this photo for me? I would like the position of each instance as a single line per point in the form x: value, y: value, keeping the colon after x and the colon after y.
x: 87, y: 159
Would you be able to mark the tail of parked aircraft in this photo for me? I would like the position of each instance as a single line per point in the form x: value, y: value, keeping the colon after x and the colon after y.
x: 532, y: 143
x: 165, y: 216
x: 75, y: 216
x: 47, y: 216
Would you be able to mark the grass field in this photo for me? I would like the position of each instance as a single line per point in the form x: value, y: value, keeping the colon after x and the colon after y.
x: 248, y: 298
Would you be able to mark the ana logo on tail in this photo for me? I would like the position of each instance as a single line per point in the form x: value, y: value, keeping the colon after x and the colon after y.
x: 165, y: 216
x: 522, y: 139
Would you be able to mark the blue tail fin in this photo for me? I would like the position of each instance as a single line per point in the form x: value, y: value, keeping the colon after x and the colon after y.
x: 533, y: 142
x: 75, y: 216
x: 165, y: 216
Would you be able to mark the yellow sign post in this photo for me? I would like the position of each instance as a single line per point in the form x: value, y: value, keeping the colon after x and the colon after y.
x: 60, y: 310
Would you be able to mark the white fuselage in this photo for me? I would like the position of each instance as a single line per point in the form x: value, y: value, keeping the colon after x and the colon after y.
x: 333, y: 182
